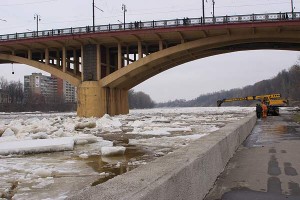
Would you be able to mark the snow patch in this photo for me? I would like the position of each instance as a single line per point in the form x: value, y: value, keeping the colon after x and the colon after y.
x: 160, y: 131
x: 112, y: 151
x: 42, y: 172
x: 107, y: 123
x: 152, y: 132
x: 174, y: 142
x: 85, y: 139
x: 40, y: 135
x: 42, y: 183
x: 7, y: 139
x: 8, y: 132
x: 84, y: 125
x: 36, y: 146
x: 84, y: 156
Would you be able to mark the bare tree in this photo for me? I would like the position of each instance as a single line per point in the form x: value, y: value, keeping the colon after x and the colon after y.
x: 140, y: 100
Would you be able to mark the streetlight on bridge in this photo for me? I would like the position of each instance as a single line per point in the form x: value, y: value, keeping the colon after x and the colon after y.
x: 37, y: 18
x: 213, y: 13
x: 203, y: 10
x: 292, y: 4
x: 94, y: 6
x: 124, y: 10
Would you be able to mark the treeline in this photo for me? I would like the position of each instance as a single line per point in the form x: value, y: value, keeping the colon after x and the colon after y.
x: 13, y: 99
x: 287, y: 82
x: 13, y: 89
x: 139, y: 100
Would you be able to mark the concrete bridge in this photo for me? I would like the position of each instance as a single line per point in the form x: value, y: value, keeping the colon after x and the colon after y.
x: 105, y: 61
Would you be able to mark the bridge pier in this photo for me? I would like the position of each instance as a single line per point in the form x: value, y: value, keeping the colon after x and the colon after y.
x: 95, y: 101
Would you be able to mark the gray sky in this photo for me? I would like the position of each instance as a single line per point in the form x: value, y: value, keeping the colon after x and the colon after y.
x: 186, y: 81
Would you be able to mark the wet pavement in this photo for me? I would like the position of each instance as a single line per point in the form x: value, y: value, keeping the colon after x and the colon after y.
x: 266, y: 166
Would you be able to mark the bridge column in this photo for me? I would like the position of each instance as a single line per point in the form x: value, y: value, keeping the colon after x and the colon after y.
x: 95, y: 101
x: 161, y: 45
x: 116, y: 101
x: 64, y: 59
x: 107, y: 62
x: 119, y: 56
x: 57, y: 59
x: 29, y: 54
x: 99, y: 61
x: 47, y: 56
x: 140, y: 50
x: 92, y: 99
x: 89, y: 100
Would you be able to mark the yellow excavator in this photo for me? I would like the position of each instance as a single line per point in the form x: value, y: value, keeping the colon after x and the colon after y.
x: 273, y: 101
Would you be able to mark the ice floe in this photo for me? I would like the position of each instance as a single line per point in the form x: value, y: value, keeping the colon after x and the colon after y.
x: 43, y: 176
x: 36, y: 146
x: 112, y: 151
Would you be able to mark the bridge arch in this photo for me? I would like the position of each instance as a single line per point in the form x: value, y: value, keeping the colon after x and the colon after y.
x: 47, y: 68
x: 106, y: 64
x: 153, y: 64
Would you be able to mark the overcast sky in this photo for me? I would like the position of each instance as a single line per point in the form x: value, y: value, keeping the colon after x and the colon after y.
x: 186, y: 81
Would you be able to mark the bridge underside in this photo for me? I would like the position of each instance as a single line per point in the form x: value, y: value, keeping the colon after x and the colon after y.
x: 104, y: 66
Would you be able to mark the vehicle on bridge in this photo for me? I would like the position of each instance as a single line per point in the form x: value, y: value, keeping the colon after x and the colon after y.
x: 273, y: 102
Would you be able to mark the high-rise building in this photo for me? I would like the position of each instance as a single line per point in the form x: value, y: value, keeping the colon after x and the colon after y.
x: 70, y: 93
x: 45, y: 89
x: 66, y: 90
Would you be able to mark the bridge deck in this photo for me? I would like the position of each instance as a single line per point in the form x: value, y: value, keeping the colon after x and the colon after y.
x: 149, y: 31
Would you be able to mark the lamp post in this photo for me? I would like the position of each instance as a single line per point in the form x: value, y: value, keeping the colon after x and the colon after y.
x: 37, y: 18
x: 124, y: 11
x: 203, y: 13
x: 94, y: 6
x: 213, y: 13
x: 94, y: 15
x: 292, y: 4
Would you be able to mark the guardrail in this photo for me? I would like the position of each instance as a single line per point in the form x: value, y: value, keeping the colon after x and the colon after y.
x: 156, y: 24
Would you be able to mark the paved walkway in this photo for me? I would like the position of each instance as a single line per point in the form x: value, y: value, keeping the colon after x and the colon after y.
x: 266, y: 166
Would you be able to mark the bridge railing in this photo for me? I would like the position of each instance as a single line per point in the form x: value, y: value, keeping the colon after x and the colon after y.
x: 156, y: 24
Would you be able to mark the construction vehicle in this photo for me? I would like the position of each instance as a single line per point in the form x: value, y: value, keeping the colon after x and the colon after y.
x: 273, y: 101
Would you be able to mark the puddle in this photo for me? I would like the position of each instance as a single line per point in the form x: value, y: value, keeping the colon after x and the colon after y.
x: 265, y: 134
x: 117, y: 165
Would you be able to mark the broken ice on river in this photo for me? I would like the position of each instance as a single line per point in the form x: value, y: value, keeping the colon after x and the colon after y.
x: 39, y: 152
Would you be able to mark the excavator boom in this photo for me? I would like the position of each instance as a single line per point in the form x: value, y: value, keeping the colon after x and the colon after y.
x: 249, y: 98
x: 273, y: 101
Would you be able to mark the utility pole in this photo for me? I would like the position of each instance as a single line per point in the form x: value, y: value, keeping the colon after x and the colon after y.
x: 93, y: 15
x: 203, y: 12
x: 213, y: 13
x: 292, y: 4
x: 124, y: 10
x: 37, y: 18
x: 94, y: 6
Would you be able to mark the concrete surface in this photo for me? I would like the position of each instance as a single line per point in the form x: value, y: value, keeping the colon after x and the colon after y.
x: 188, y: 173
x: 266, y: 166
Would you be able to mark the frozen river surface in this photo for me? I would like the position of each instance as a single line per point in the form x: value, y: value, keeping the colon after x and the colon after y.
x: 49, y: 156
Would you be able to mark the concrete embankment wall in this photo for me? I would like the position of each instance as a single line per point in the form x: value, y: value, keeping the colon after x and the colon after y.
x: 186, y: 174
